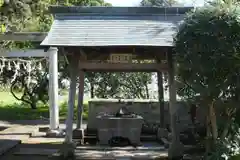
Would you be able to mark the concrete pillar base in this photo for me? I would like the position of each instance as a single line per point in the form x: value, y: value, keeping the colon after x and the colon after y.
x: 175, y: 150
x: 67, y: 151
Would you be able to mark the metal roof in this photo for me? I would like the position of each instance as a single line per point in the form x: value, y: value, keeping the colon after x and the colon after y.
x: 114, y: 26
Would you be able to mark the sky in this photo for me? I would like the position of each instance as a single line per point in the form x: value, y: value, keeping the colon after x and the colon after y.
x: 137, y: 2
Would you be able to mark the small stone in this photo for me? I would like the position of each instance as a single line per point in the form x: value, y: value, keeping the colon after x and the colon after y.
x: 55, y: 133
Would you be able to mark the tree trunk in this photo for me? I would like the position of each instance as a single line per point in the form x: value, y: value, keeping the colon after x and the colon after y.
x: 33, y: 102
x: 225, y: 130
x: 71, y: 98
x: 213, y: 120
x: 92, y: 90
x: 33, y: 105
x: 147, y: 91
x: 212, y: 129
x: 208, y: 134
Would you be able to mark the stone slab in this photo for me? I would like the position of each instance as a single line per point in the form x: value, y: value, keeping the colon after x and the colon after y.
x: 41, y: 140
x: 14, y: 137
x: 36, y: 151
x: 19, y: 130
x: 123, y: 155
x: 128, y: 148
x: 6, y: 145
x: 58, y: 133
x: 38, y: 134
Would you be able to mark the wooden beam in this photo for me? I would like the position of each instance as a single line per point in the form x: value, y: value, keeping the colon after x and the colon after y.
x: 71, y: 98
x: 161, y: 98
x: 24, y: 36
x: 80, y: 99
x: 123, y: 67
x: 139, y: 52
x: 24, y: 53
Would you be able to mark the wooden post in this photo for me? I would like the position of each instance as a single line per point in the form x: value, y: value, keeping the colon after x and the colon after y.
x: 73, y: 67
x: 176, y: 148
x: 80, y: 99
x: 53, y: 88
x: 161, y: 98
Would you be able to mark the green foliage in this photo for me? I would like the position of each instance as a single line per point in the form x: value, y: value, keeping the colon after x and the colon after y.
x: 113, y: 85
x: 34, y: 90
x: 33, y: 16
x: 208, y: 47
x: 157, y: 3
x: 88, y: 3
x: 11, y: 109
x: 120, y: 85
x: 1, y: 2
x: 226, y: 149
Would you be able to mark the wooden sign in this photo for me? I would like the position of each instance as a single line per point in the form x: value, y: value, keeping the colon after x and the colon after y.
x: 120, y: 58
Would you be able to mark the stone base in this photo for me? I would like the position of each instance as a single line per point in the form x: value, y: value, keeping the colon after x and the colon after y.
x: 175, y: 150
x: 124, y: 127
x: 78, y: 133
x: 67, y: 150
x: 57, y: 133
x: 162, y: 133
x: 133, y: 135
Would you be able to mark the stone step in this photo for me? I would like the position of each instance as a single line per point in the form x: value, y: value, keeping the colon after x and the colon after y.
x: 143, y: 137
x: 127, y: 148
x: 92, y: 139
x: 120, y: 155
x: 121, y: 158
x: 7, y: 145
x: 94, y: 132
x: 19, y: 130
x: 36, y: 151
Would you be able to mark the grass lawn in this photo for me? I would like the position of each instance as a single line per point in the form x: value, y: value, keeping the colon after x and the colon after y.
x: 11, y: 109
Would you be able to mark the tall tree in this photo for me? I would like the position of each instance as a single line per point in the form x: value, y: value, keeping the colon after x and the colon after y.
x: 208, y: 46
x: 33, y: 16
x: 30, y: 16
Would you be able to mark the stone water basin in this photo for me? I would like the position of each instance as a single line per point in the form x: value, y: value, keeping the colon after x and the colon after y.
x: 124, y: 126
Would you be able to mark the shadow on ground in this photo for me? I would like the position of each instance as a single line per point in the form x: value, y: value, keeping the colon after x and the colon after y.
x: 17, y: 151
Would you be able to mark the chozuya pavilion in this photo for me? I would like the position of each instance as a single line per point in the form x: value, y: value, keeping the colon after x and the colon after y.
x: 108, y: 39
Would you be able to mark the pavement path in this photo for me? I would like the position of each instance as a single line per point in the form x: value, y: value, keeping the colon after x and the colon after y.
x: 39, y: 147
x: 38, y: 123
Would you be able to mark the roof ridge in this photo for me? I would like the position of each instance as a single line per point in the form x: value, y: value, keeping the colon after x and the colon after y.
x: 119, y: 10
